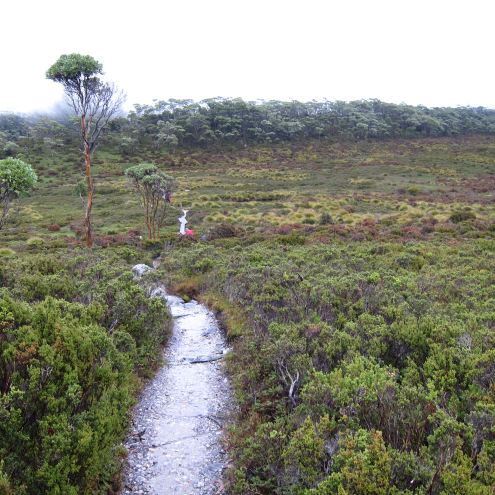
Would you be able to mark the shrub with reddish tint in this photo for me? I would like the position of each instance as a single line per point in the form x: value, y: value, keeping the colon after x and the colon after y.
x: 77, y: 228
x: 115, y: 240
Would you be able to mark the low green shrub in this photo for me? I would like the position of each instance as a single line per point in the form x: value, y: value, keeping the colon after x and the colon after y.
x: 462, y: 216
x: 358, y: 363
x: 34, y: 242
x: 326, y: 219
x: 77, y: 334
x: 292, y: 239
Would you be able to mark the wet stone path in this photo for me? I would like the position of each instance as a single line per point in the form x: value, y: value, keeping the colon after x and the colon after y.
x: 175, y: 446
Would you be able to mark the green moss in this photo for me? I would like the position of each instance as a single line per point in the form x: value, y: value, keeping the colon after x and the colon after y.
x: 7, y: 253
x: 35, y: 242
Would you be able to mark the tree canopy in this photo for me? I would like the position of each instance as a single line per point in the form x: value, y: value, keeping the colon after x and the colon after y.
x: 74, y: 67
x: 16, y: 177
x: 233, y: 121
x: 230, y: 122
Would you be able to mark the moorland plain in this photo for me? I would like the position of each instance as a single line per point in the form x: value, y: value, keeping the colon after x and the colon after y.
x: 356, y: 284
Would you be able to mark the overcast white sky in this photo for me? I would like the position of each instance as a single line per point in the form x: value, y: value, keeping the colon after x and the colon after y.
x: 434, y: 52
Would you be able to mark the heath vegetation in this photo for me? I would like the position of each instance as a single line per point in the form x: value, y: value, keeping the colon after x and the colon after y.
x: 348, y: 249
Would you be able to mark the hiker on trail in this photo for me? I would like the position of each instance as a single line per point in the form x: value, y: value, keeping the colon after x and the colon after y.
x: 183, y: 221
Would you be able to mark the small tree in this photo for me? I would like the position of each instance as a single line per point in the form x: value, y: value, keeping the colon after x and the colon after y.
x: 155, y: 189
x: 94, y: 102
x: 16, y: 178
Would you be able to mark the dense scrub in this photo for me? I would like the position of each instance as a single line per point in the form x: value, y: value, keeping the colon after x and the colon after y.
x: 363, y: 367
x: 76, y: 335
x: 355, y: 280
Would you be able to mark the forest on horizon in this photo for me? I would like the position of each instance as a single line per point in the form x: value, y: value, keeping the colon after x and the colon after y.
x: 218, y: 122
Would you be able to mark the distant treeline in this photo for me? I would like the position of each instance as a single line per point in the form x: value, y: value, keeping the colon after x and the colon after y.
x: 233, y: 121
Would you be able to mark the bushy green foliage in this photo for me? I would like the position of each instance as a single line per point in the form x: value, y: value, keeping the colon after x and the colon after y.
x: 74, y: 67
x: 76, y: 333
x: 364, y: 367
x: 16, y: 178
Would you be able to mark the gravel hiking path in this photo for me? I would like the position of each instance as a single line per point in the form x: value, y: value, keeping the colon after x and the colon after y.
x: 175, y: 445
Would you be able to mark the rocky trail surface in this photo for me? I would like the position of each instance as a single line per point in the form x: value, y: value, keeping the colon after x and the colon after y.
x: 175, y: 446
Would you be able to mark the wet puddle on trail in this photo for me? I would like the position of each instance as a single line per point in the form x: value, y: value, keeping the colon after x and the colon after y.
x: 175, y: 446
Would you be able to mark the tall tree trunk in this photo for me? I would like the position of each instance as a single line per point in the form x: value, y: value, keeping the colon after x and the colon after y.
x: 89, y: 185
x: 148, y: 219
x: 5, y: 206
x: 89, y: 204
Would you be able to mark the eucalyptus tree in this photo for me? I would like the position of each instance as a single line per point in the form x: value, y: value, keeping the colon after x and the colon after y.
x: 155, y: 189
x: 168, y: 134
x: 94, y: 102
x: 16, y: 178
